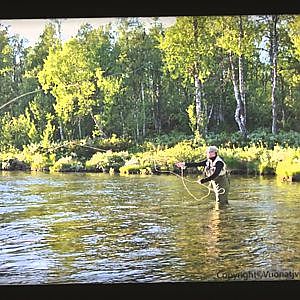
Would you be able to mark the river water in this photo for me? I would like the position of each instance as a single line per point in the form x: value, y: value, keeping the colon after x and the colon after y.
x: 101, y: 228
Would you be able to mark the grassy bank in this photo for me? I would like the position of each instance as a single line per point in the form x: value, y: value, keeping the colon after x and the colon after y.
x: 151, y: 158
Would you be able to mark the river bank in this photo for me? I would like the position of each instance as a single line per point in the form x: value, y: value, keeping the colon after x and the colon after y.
x: 283, y: 162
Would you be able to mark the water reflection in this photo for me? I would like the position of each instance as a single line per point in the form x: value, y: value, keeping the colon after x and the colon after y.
x: 62, y: 228
x: 213, y: 234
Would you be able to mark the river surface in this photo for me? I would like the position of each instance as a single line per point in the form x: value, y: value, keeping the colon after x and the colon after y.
x: 101, y: 228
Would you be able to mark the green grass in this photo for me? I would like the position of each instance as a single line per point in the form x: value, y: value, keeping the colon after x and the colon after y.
x: 279, y: 160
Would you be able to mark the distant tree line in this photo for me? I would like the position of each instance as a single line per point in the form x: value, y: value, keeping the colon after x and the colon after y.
x: 202, y: 75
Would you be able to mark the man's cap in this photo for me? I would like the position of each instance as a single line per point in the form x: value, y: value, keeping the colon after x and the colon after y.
x: 212, y: 149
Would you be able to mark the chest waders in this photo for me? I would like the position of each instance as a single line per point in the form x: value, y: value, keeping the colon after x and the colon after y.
x: 221, y: 182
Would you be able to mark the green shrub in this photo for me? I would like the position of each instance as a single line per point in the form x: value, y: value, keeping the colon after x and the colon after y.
x: 37, y: 159
x: 259, y: 137
x: 169, y: 139
x: 114, y: 143
x: 135, y: 169
x: 41, y: 162
x: 13, y: 160
x: 17, y: 131
x: 103, y: 162
x: 67, y: 164
x: 13, y: 153
x: 288, y: 169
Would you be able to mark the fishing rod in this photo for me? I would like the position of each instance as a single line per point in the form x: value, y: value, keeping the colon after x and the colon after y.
x: 73, y: 143
x: 29, y: 93
x: 16, y: 98
x: 181, y: 176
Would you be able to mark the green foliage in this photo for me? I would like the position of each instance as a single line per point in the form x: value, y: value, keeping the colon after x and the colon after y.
x: 241, y: 160
x: 166, y: 140
x: 283, y: 161
x: 35, y: 56
x: 186, y: 45
x: 38, y: 159
x: 14, y: 159
x: 288, y: 169
x: 7, y: 66
x: 290, y: 138
x: 78, y: 149
x: 257, y: 137
x: 139, y: 84
x: 17, y: 131
x: 227, y: 34
x: 103, y: 162
x: 137, y: 164
x: 68, y: 77
x: 135, y: 169
x: 11, y: 153
x: 113, y: 143
x: 295, y: 37
x: 258, y: 159
x: 164, y: 158
x: 267, y: 165
x: 48, y: 133
x: 41, y: 162
x: 67, y: 164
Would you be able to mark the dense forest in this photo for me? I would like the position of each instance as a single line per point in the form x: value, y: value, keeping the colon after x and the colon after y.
x: 228, y: 80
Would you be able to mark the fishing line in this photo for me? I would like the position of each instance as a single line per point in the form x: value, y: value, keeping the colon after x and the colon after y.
x: 219, y: 190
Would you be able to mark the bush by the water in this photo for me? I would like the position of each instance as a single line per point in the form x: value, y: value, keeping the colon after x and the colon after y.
x: 13, y: 160
x: 257, y: 137
x: 161, y: 158
x: 256, y: 158
x: 67, y: 164
x: 113, y: 143
x: 169, y: 139
x: 252, y: 159
x: 289, y: 170
x: 107, y: 161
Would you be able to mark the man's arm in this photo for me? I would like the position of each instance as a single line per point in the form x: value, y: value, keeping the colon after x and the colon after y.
x: 196, y: 164
x: 219, y: 166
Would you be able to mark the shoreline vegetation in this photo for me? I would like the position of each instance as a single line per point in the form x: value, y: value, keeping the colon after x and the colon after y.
x: 275, y: 156
x: 134, y: 99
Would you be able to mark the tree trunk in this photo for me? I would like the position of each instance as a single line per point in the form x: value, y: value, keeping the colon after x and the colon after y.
x: 157, y: 109
x: 200, y: 126
x: 198, y: 103
x: 241, y: 76
x: 204, y: 113
x: 123, y: 123
x: 283, y: 93
x: 210, y: 113
x: 61, y: 131
x: 98, y: 125
x: 239, y: 111
x: 137, y: 128
x: 222, y: 95
x: 273, y: 62
x: 144, y: 110
x: 79, y: 128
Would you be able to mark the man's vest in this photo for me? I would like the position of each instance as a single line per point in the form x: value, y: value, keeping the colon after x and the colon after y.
x: 211, y: 167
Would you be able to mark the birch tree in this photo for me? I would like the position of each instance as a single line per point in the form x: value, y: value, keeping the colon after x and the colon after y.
x: 187, y: 48
x: 235, y: 35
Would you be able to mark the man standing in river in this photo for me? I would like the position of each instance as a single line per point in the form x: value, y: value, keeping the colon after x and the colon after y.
x: 215, y: 172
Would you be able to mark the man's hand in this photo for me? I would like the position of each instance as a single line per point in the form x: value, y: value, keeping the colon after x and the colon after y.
x: 202, y: 180
x: 180, y: 165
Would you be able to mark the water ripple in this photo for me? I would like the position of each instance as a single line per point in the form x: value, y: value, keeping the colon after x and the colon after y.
x: 67, y: 228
